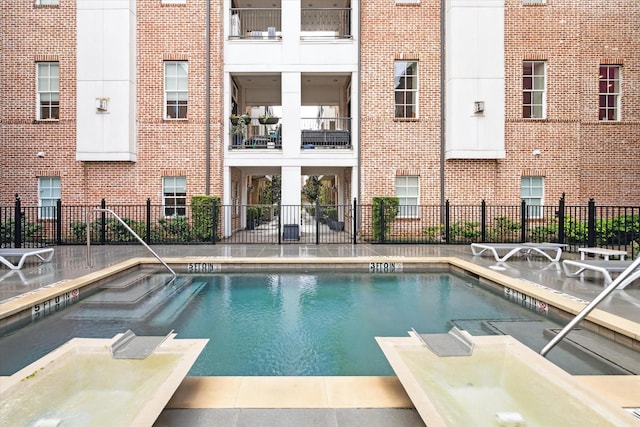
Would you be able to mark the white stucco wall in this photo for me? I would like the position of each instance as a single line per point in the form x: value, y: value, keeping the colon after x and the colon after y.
x: 475, y: 72
x: 106, y: 69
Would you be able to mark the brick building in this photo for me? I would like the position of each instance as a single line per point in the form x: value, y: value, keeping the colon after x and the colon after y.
x: 110, y: 99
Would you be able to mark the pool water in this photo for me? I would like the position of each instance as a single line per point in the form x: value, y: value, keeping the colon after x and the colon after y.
x: 285, y: 324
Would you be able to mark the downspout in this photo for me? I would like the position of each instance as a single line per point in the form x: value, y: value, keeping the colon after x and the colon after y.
x: 359, y: 190
x: 442, y: 108
x: 207, y: 92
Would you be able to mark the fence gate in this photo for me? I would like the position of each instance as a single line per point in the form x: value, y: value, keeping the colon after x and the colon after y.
x: 288, y: 224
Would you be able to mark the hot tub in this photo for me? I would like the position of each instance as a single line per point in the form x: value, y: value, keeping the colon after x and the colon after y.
x: 502, y: 382
x: 81, y: 384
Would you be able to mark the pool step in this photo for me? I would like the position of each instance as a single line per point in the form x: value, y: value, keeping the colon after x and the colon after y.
x: 141, y: 309
x: 581, y: 349
x: 172, y: 309
x: 591, y: 343
x: 129, y: 290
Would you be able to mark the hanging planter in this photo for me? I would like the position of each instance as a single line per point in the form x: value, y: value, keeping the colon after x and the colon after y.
x: 245, y: 118
x: 265, y: 120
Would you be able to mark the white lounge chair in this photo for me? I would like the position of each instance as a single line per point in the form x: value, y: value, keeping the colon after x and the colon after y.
x: 44, y: 254
x: 513, y: 248
x: 603, y: 267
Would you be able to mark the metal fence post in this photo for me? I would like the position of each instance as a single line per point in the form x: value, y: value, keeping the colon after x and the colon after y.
x: 591, y: 223
x: 148, y: 230
x: 523, y: 221
x: 354, y: 215
x: 279, y: 222
x: 317, y: 213
x: 103, y: 222
x: 17, y: 225
x: 483, y: 221
x: 382, y: 222
x: 560, y: 215
x: 214, y: 221
x: 58, y: 222
x: 447, y: 225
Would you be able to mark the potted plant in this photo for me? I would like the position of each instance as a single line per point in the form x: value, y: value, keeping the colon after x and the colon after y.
x: 245, y: 118
x: 268, y: 119
x: 253, y: 215
x: 238, y: 129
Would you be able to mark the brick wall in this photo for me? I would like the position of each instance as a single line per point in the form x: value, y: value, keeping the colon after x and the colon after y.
x: 165, y: 32
x: 580, y: 156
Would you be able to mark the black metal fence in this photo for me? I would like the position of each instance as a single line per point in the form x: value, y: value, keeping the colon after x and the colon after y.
x: 616, y: 227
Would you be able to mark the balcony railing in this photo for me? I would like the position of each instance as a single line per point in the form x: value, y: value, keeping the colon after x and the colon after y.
x: 326, y: 23
x: 259, y: 135
x: 332, y: 132
x: 266, y: 23
x: 315, y: 132
x: 255, y: 23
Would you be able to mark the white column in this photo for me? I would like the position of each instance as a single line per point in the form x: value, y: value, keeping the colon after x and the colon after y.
x: 291, y: 100
x: 290, y: 194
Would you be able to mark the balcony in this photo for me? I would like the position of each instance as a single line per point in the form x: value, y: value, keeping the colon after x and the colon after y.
x: 319, y: 21
x: 321, y: 132
x: 325, y: 23
x: 258, y: 135
x: 255, y: 23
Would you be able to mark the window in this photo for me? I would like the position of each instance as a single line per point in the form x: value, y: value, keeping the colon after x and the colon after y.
x: 47, y: 2
x: 174, y: 191
x: 534, y: 1
x: 407, y: 1
x: 48, y: 91
x: 406, y: 89
x: 175, y: 89
x: 48, y: 195
x: 533, y: 90
x: 609, y: 90
x: 532, y: 192
x: 407, y: 191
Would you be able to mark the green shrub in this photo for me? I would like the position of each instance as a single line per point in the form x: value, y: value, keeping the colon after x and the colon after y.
x: 468, y: 231
x: 202, y: 210
x: 391, y: 209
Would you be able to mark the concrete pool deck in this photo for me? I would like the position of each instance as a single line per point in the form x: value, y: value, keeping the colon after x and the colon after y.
x: 339, y: 401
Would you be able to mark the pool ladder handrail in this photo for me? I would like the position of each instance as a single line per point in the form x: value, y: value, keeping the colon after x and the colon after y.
x: 130, y: 231
x: 585, y: 311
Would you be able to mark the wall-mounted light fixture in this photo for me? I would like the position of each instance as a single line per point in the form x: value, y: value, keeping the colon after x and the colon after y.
x: 40, y: 153
x: 478, y: 107
x: 102, y: 105
x: 536, y: 153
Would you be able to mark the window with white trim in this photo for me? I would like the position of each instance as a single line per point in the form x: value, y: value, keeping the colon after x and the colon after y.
x: 48, y: 90
x: 532, y: 192
x: 609, y: 93
x: 47, y: 2
x: 407, y: 1
x: 405, y: 76
x: 174, y: 195
x: 534, y: 89
x: 49, y: 189
x: 525, y: 2
x: 407, y: 191
x: 174, y: 1
x: 175, y: 89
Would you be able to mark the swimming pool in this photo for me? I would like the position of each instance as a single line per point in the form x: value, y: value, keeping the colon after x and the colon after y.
x: 281, y: 324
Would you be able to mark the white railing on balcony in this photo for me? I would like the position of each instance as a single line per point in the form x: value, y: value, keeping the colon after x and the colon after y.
x: 326, y: 23
x: 255, y: 23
